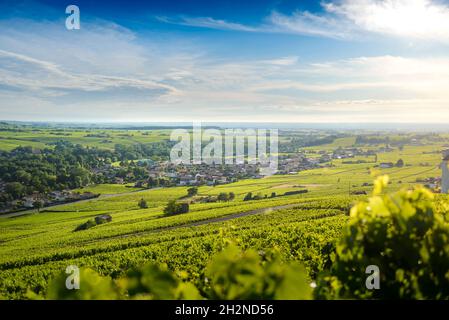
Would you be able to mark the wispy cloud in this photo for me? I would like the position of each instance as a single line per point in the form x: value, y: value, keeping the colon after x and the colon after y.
x: 343, y: 19
x: 307, y: 23
x: 284, y: 61
x: 207, y: 22
x: 27, y: 73
x: 299, y: 23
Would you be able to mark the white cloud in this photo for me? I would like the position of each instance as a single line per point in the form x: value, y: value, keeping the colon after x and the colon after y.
x: 344, y: 19
x: 423, y: 19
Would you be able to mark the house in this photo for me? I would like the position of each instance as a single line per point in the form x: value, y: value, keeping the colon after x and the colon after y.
x: 28, y: 203
x: 385, y: 165
x: 222, y: 179
x: 199, y: 177
x: 172, y: 174
x: 119, y: 180
x: 58, y: 196
x: 186, y: 180
x: 385, y: 149
x: 103, y: 218
x: 431, y: 185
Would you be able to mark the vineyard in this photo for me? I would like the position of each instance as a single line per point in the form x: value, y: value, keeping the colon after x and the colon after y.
x: 304, y: 234
x: 301, y: 228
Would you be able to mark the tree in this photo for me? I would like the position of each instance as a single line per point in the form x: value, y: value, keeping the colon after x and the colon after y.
x: 23, y: 177
x: 231, y: 196
x: 151, y: 183
x: 400, y: 163
x: 273, y: 195
x: 38, y: 205
x: 249, y: 196
x: 176, y: 208
x: 15, y: 189
x: 143, y: 204
x: 193, y: 191
x: 223, y: 196
x: 183, y: 207
x: 170, y: 208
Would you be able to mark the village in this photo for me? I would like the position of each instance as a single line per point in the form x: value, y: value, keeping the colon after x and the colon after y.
x: 147, y: 173
x: 39, y: 200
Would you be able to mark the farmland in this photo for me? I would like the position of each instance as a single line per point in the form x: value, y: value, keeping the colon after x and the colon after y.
x: 44, y: 137
x: 34, y: 247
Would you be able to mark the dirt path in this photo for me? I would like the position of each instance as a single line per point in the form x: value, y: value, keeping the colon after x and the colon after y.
x: 200, y: 222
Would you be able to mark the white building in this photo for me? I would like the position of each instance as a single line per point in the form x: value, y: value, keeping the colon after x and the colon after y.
x: 445, y: 172
x: 386, y: 165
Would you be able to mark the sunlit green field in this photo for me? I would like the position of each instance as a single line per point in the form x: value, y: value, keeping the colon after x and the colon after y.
x: 105, y: 139
x: 107, y: 189
x: 35, y: 247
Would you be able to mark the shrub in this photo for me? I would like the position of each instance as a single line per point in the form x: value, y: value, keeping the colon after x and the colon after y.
x: 157, y: 282
x: 404, y: 236
x: 176, y: 208
x: 143, y: 204
x: 235, y: 274
x: 258, y: 196
x: 193, y: 191
x: 400, y: 163
x: 92, y: 287
x: 183, y: 207
x: 290, y: 193
x: 223, y: 196
x: 93, y: 222
x: 87, y: 225
x: 249, y: 196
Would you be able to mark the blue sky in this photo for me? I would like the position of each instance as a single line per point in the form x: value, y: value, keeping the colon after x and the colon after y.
x: 273, y: 61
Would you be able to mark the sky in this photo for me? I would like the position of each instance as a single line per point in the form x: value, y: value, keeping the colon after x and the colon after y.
x: 330, y: 61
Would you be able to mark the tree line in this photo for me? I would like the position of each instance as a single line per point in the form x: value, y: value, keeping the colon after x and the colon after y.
x: 25, y: 170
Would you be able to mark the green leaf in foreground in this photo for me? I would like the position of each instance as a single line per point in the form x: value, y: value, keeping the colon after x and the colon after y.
x: 405, y: 236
